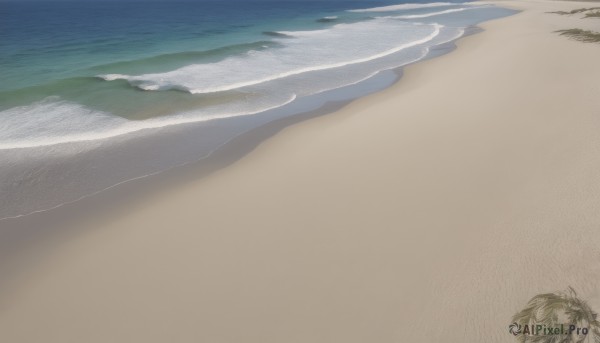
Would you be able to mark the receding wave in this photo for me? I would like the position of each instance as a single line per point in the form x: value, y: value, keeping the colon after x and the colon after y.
x: 54, y: 121
x: 368, y: 41
x: 409, y: 6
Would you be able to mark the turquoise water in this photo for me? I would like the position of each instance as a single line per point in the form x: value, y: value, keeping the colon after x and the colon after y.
x: 79, y: 77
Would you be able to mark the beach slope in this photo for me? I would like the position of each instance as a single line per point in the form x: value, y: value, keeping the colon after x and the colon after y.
x: 429, y: 212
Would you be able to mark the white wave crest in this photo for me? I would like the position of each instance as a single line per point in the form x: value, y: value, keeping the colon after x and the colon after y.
x: 339, y: 46
x: 410, y: 6
x: 431, y: 14
x: 112, y: 77
x: 302, y: 33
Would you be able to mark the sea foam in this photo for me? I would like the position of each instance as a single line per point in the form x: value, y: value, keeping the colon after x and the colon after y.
x: 54, y: 121
x: 432, y: 14
x: 316, y: 50
x: 298, y: 63
x: 393, y: 8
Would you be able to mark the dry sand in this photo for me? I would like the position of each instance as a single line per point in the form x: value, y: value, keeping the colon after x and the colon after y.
x: 429, y: 212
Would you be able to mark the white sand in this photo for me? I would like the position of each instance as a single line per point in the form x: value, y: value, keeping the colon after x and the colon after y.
x: 429, y: 212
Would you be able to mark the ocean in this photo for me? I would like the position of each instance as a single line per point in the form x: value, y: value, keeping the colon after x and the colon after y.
x: 94, y: 94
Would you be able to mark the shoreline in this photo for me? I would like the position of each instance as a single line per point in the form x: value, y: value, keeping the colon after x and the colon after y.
x: 22, y: 235
x: 254, y: 135
x: 447, y: 214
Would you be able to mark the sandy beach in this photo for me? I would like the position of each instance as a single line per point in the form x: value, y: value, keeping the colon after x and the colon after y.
x: 431, y: 211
